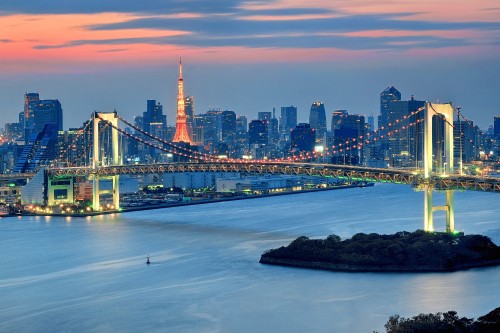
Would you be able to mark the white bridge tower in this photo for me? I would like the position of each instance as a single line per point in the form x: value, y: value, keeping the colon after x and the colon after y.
x: 112, y: 119
x: 431, y: 110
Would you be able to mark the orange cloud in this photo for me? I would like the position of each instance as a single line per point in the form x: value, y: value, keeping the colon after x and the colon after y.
x: 443, y: 10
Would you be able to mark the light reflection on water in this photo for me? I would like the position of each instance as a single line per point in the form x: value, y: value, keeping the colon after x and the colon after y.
x: 89, y: 274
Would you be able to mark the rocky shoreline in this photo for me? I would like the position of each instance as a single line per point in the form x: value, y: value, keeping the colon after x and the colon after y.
x: 367, y: 268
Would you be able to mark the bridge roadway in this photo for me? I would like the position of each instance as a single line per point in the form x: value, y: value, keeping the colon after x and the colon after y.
x: 345, y: 172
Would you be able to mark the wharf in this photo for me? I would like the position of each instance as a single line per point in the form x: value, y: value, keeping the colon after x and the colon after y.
x: 193, y: 202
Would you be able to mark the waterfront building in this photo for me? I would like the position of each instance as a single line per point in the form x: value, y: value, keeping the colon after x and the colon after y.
x: 195, y: 180
x: 317, y: 120
x: 303, y: 138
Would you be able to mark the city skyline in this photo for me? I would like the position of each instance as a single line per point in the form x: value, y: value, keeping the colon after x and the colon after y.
x: 249, y: 56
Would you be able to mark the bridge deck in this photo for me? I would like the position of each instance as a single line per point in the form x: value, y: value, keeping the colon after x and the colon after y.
x: 350, y: 173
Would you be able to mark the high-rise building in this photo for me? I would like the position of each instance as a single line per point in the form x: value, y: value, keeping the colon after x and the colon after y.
x: 189, y: 110
x: 347, y: 130
x: 464, y: 142
x: 228, y: 126
x: 288, y: 119
x: 205, y: 128
x: 390, y: 94
x: 264, y: 115
x: 40, y: 150
x: 30, y: 103
x: 404, y: 141
x: 496, y: 134
x: 37, y: 113
x: 242, y: 130
x: 317, y: 120
x: 48, y: 111
x: 72, y: 145
x: 371, y: 123
x: 13, y: 131
x: 153, y: 119
x: 181, y: 130
x: 496, y: 127
x: 303, y: 138
x: 241, y: 124
x: 273, y: 127
x: 257, y: 132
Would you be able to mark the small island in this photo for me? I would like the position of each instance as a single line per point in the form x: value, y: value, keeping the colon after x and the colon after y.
x: 403, y: 251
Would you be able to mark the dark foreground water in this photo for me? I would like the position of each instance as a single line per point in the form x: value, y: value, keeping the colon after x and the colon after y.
x: 89, y: 274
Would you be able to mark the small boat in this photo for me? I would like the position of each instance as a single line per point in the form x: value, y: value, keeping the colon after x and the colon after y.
x: 147, y: 261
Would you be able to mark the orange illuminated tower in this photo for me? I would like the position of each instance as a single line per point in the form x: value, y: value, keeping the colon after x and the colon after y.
x: 181, y: 130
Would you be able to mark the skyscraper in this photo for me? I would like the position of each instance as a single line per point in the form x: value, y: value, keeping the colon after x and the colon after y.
x: 189, y: 110
x: 303, y: 138
x: 317, y: 120
x: 153, y: 119
x: 496, y: 127
x: 242, y: 130
x: 390, y: 94
x: 288, y: 119
x: 496, y: 133
x: 48, y: 111
x: 257, y: 132
x: 228, y: 126
x: 181, y: 130
x: 347, y: 128
x: 405, y: 141
x: 264, y: 115
x: 30, y: 103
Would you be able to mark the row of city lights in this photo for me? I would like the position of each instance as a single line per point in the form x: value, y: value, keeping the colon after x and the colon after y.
x: 348, y: 145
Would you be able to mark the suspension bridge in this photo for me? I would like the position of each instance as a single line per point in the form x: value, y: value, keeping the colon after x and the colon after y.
x: 435, y: 175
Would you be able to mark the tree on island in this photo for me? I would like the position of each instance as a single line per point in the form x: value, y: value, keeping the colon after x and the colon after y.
x: 402, y: 251
x: 447, y: 322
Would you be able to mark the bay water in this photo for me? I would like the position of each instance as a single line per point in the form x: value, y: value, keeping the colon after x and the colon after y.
x: 62, y: 274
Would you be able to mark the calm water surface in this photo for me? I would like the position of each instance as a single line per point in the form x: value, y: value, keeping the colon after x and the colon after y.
x: 89, y: 274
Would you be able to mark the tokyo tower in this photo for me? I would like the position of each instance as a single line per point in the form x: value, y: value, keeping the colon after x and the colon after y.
x: 181, y: 131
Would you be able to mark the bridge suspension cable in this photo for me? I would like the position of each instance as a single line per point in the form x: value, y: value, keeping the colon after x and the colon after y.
x: 186, y: 150
x: 167, y: 150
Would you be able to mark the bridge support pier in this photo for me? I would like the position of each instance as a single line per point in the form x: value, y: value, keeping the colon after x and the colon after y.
x: 429, y: 210
x: 95, y: 192
x: 111, y: 118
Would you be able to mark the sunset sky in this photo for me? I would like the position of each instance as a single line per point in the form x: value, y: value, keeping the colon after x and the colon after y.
x: 249, y: 56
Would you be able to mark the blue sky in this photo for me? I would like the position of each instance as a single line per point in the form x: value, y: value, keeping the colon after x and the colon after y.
x: 249, y: 56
